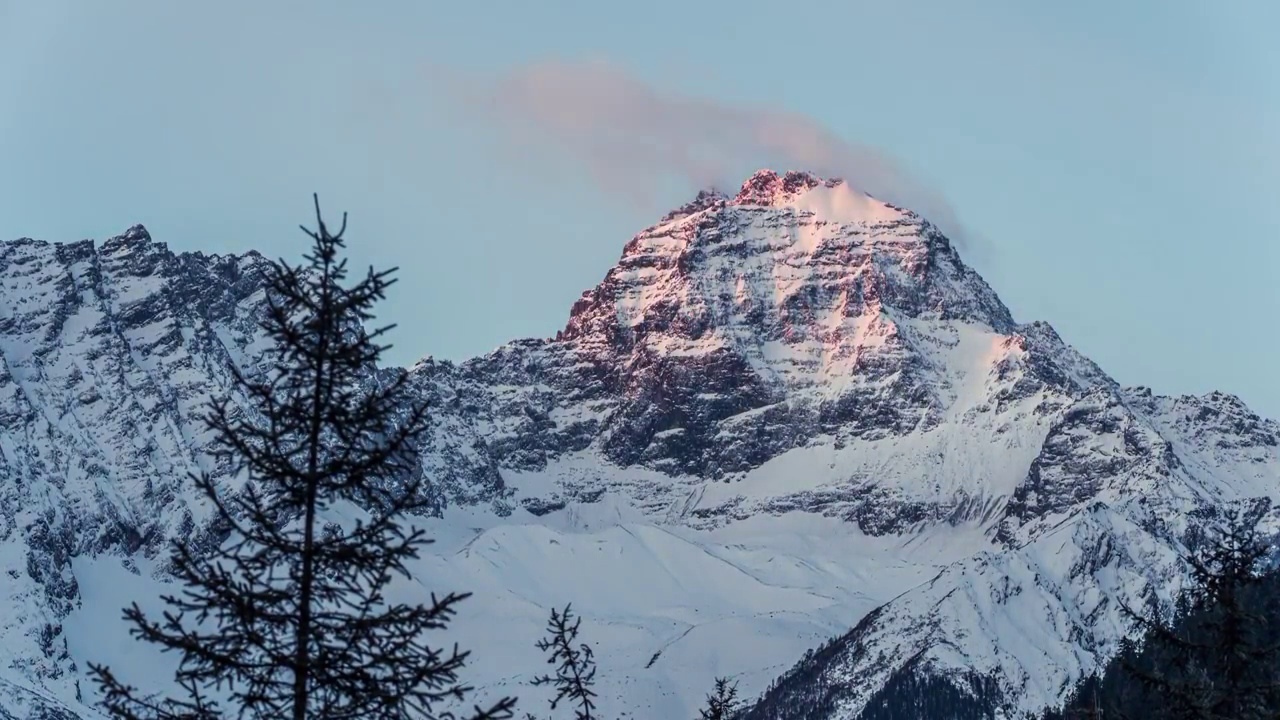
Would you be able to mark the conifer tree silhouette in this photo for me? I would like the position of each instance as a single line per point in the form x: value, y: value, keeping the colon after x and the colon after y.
x: 722, y: 703
x: 289, y: 617
x: 575, y: 664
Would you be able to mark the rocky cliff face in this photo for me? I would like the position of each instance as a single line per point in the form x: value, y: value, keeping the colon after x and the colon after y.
x: 107, y: 352
x: 798, y: 347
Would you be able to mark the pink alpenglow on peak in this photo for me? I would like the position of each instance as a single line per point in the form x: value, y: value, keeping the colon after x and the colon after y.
x: 767, y: 187
x: 831, y: 199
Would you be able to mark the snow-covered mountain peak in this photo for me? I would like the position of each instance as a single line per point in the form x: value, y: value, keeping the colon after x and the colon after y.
x: 789, y: 256
x: 797, y: 356
x: 767, y: 187
x: 833, y: 199
x: 801, y: 311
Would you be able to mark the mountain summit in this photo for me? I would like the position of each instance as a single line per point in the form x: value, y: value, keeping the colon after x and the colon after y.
x: 781, y: 415
x: 799, y: 314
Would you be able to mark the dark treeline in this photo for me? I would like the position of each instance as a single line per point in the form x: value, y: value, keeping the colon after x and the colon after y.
x: 911, y: 694
x: 1217, y: 658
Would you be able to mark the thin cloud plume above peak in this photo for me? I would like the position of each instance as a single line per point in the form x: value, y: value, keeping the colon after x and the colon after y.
x: 633, y: 137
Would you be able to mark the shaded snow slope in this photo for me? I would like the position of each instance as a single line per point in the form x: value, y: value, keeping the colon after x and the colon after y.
x: 667, y: 609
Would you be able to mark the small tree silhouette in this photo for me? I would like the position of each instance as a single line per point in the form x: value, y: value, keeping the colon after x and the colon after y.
x: 722, y: 703
x: 575, y: 663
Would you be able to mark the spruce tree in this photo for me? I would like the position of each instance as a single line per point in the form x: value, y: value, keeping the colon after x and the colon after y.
x: 575, y: 664
x: 288, y: 617
x: 722, y: 703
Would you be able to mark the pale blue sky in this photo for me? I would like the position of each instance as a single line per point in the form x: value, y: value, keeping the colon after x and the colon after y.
x: 1115, y: 164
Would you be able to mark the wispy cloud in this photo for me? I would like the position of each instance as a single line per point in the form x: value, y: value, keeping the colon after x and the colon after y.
x: 633, y: 137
